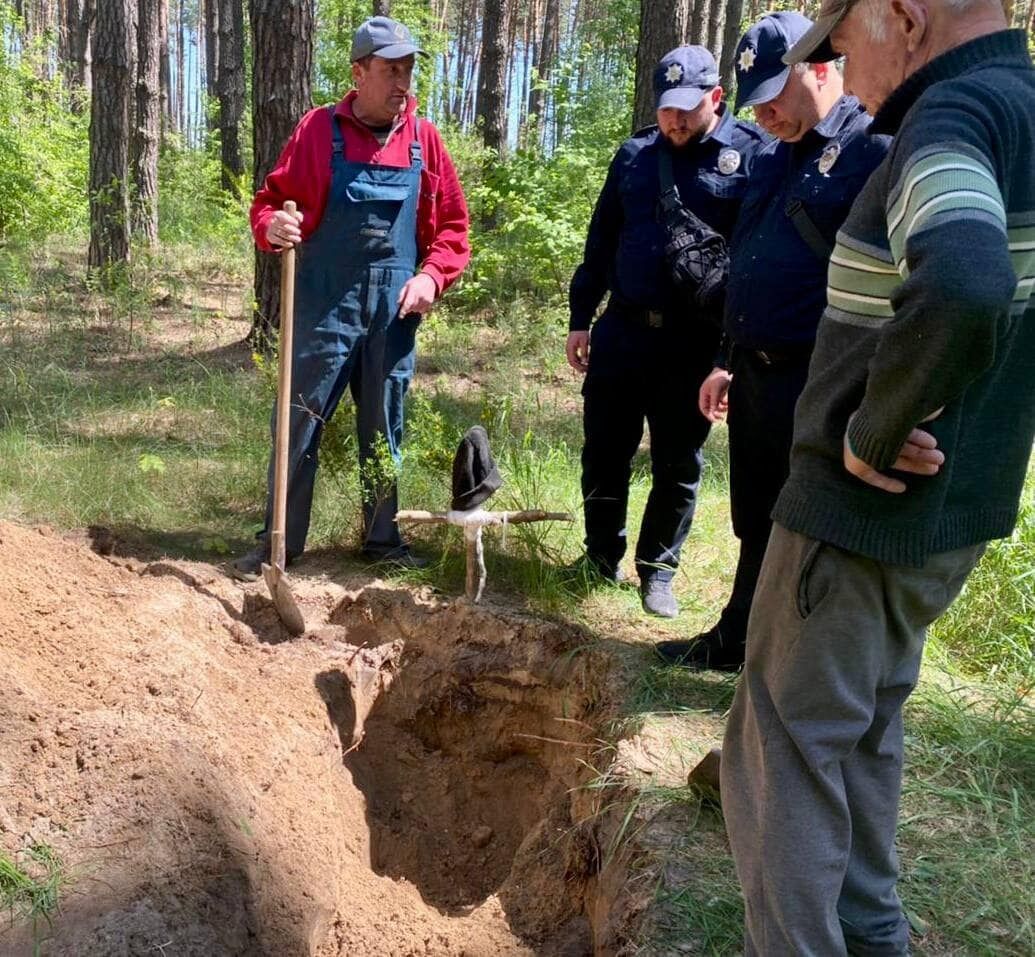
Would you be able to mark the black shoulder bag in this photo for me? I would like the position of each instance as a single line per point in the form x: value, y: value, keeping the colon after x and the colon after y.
x: 697, y: 257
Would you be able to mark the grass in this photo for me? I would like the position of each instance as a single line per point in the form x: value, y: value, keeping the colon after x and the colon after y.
x: 142, y: 411
x: 30, y: 889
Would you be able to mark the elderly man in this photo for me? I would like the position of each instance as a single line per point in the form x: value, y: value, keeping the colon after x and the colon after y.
x: 649, y: 343
x: 382, y: 225
x: 911, y: 444
x: 800, y: 191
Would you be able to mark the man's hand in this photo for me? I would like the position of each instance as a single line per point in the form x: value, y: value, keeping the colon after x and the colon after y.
x: 577, y: 350
x: 284, y: 229
x: 920, y: 456
x: 712, y: 399
x: 418, y: 295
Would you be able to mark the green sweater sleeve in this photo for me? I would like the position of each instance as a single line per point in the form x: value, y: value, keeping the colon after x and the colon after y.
x: 947, y: 229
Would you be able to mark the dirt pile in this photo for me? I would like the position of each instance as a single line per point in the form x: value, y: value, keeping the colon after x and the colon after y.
x: 211, y: 792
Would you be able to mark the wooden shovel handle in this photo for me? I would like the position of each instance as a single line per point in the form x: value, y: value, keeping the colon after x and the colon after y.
x: 286, y: 349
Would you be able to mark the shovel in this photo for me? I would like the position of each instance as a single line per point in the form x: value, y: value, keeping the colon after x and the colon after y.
x: 276, y: 579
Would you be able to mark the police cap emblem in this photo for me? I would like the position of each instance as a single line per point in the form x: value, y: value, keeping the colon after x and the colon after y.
x: 729, y: 161
x: 829, y: 157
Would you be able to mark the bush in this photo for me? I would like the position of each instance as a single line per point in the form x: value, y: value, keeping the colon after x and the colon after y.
x: 44, y: 151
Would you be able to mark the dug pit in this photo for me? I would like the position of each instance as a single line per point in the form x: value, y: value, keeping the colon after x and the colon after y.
x: 412, y: 776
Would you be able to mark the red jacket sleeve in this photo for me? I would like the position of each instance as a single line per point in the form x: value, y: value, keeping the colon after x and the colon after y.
x: 443, y: 221
x: 302, y: 173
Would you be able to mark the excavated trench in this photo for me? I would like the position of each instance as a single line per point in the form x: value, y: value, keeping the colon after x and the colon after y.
x: 473, y: 766
x: 410, y: 777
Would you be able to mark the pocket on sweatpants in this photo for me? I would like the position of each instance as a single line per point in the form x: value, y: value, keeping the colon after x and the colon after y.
x: 806, y: 573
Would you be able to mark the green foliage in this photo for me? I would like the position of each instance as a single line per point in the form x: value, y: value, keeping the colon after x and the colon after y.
x: 968, y: 818
x: 337, y: 21
x: 43, y: 148
x: 192, y: 208
x: 990, y: 630
x: 530, y: 212
x: 30, y: 887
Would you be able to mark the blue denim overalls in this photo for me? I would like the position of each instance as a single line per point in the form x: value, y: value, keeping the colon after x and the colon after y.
x: 348, y: 332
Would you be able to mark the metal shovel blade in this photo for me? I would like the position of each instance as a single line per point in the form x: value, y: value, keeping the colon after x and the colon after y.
x: 280, y: 591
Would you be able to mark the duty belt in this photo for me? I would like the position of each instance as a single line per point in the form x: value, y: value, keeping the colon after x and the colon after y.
x: 650, y: 318
x: 772, y: 357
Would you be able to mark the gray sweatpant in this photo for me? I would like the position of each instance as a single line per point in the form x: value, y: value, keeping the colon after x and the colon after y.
x: 812, y: 761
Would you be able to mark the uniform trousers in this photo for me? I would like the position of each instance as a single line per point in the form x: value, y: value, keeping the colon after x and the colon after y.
x: 639, y: 374
x: 762, y: 398
x: 812, y: 761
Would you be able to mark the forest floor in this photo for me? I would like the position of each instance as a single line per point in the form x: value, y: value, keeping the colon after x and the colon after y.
x: 414, y: 775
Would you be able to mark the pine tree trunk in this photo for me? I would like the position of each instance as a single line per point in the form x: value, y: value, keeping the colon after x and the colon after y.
x: 147, y: 129
x: 663, y: 25
x: 734, y: 16
x: 544, y: 62
x: 492, y: 78
x: 74, y: 48
x: 462, y: 58
x: 165, y: 71
x: 109, y: 136
x: 716, y: 28
x: 282, y: 44
x: 700, y: 14
x: 382, y: 8
x: 212, y: 51
x: 181, y: 66
x: 230, y: 90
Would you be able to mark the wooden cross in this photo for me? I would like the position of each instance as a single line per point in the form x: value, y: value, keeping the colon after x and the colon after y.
x: 472, y: 522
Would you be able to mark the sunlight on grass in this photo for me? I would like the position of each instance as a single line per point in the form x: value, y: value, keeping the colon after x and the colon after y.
x: 145, y: 412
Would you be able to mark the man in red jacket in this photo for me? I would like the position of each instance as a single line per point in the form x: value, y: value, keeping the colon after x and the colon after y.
x: 382, y: 228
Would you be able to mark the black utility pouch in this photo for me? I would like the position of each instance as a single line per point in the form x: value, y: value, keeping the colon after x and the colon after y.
x: 697, y: 258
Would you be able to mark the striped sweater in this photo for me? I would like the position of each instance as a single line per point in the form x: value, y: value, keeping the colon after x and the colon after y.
x: 930, y: 308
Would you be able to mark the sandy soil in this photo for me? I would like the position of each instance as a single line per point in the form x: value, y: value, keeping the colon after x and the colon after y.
x: 409, y: 777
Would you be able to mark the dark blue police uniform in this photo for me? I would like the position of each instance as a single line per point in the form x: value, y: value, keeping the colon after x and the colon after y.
x: 774, y: 300
x: 649, y: 350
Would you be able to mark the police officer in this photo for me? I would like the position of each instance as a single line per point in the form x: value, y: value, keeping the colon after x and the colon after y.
x: 382, y: 226
x: 801, y: 189
x: 649, y: 343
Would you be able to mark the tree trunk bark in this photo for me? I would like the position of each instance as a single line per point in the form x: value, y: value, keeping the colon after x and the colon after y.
x: 109, y: 137
x: 700, y: 11
x: 181, y: 66
x: 230, y: 90
x: 282, y: 61
x: 544, y: 62
x: 663, y: 26
x: 164, y: 71
x: 716, y: 28
x: 147, y: 130
x: 382, y: 8
x: 74, y: 50
x: 492, y: 77
x: 731, y: 36
x: 213, y: 32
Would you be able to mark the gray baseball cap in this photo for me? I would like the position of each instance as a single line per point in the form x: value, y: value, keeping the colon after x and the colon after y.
x: 815, y: 47
x: 683, y: 77
x: 383, y: 37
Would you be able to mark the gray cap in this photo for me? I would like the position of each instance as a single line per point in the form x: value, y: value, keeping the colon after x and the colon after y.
x: 383, y: 37
x: 815, y: 47
x: 683, y: 77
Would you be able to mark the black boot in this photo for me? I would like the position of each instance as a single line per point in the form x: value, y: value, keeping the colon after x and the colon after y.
x: 707, y: 652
